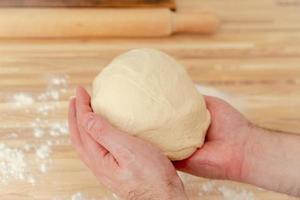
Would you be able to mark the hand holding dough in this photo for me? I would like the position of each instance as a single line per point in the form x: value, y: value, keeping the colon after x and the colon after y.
x: 146, y: 93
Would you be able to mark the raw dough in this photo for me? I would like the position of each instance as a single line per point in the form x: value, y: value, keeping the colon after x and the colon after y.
x: 146, y: 93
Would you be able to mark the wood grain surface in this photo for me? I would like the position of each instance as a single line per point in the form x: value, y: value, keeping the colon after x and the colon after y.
x: 253, y: 62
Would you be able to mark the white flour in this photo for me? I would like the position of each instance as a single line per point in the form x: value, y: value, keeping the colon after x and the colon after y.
x: 230, y: 194
x: 59, y: 129
x: 38, y: 132
x: 31, y: 180
x: 211, y: 187
x: 208, y: 186
x: 43, y: 167
x: 15, y: 162
x: 43, y: 151
x: 12, y: 164
x: 78, y: 196
x: 22, y: 99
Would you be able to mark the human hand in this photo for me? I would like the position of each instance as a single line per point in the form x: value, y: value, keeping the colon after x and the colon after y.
x: 223, y: 152
x: 128, y: 166
x: 237, y: 150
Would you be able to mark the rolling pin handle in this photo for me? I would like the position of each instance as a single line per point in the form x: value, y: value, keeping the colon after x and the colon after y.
x: 194, y: 22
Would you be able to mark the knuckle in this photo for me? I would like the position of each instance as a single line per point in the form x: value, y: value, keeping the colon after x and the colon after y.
x: 100, y: 125
x: 88, y: 117
x: 91, y: 122
x: 95, y: 125
x: 127, y: 156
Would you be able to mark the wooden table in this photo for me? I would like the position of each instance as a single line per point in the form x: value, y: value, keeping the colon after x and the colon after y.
x: 253, y: 62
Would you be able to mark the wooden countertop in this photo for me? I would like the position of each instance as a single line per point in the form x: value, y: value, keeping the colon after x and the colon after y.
x: 253, y: 62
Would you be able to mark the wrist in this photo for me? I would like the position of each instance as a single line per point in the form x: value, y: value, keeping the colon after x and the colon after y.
x: 175, y: 190
x: 257, y: 158
x: 253, y: 154
x: 238, y: 167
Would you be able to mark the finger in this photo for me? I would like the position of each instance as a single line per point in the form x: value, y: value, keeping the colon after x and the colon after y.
x: 74, y: 133
x: 95, y: 149
x: 111, y: 139
x: 82, y: 106
x: 83, y: 102
x: 205, y: 162
x: 210, y: 101
x: 115, y: 141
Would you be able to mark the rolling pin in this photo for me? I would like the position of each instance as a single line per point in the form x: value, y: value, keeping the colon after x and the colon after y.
x: 95, y: 22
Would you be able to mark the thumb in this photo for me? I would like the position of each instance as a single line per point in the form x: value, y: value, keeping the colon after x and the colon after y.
x: 115, y: 141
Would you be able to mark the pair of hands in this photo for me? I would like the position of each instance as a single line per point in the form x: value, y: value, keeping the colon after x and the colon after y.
x: 135, y: 169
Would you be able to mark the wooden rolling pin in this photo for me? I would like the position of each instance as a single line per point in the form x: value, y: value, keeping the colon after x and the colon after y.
x: 90, y: 3
x: 94, y: 22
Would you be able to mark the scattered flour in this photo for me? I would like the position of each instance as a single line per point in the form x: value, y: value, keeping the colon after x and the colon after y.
x: 49, y: 142
x: 22, y: 99
x: 61, y: 142
x: 58, y: 81
x: 38, y: 132
x: 12, y: 135
x: 183, y: 176
x: 27, y: 147
x: 59, y: 129
x: 43, y: 167
x: 12, y: 163
x: 56, y: 86
x: 230, y: 194
x: 212, y: 187
x: 208, y: 186
x: 46, y: 108
x: 36, y: 122
x: 31, y: 180
x: 43, y: 151
x: 78, y: 196
x: 49, y: 95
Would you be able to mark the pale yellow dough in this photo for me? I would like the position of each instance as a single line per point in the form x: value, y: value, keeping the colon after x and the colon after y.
x: 146, y: 93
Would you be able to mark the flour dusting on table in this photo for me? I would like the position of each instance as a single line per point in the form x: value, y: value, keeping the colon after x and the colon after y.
x: 231, y: 194
x: 205, y: 188
x: 22, y: 99
x: 78, y: 196
x: 15, y: 161
x: 43, y: 151
x: 12, y: 163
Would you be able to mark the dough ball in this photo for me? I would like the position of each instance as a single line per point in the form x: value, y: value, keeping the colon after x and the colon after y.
x: 146, y: 93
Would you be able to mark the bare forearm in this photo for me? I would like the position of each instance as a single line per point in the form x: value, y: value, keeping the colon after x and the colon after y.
x: 272, y: 161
